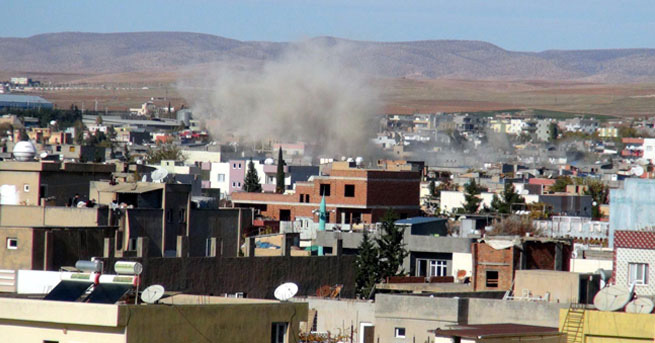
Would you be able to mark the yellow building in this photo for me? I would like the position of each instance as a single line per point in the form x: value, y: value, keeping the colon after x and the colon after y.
x: 181, y: 319
x: 592, y: 326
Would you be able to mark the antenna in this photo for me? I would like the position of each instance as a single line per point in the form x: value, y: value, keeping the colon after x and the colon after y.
x: 152, y: 294
x: 159, y: 175
x: 285, y: 291
x: 640, y: 305
x: 612, y: 298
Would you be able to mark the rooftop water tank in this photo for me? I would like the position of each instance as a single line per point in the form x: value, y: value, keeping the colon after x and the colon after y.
x: 24, y: 151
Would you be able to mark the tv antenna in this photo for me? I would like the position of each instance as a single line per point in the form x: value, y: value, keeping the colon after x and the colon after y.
x: 613, y: 298
x: 159, y: 175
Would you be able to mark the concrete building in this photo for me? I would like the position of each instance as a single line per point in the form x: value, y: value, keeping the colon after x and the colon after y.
x: 498, y: 333
x: 634, y: 252
x: 178, y: 319
x: 603, y: 326
x: 632, y: 207
x: 352, y: 195
x: 33, y: 183
x: 496, y: 259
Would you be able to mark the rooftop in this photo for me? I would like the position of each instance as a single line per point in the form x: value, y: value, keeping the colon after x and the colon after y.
x: 495, y: 330
x: 23, y: 98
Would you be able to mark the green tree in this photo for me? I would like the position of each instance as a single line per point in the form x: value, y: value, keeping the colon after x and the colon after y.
x: 279, y: 175
x: 552, y: 132
x: 251, y: 182
x: 471, y: 199
x: 391, y: 250
x: 599, y: 194
x: 432, y: 189
x: 79, y: 132
x: 164, y: 152
x: 561, y: 183
x: 508, y: 197
x: 366, y: 267
x: 99, y: 120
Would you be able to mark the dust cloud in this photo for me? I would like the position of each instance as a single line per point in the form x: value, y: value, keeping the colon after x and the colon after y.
x: 309, y: 93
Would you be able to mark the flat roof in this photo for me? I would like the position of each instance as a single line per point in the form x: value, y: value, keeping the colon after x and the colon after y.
x: 419, y: 220
x: 23, y: 98
x: 495, y: 330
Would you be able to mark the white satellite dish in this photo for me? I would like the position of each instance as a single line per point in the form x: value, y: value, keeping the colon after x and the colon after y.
x: 612, y: 298
x: 640, y: 305
x: 159, y: 175
x: 285, y: 291
x: 637, y: 170
x: 152, y: 294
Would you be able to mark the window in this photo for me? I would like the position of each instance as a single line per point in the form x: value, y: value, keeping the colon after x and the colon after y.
x: 437, y: 268
x: 71, y: 149
x: 131, y: 244
x: 239, y: 165
x: 349, y: 191
x: 208, y: 247
x: 234, y: 184
x: 492, y: 278
x: 220, y: 177
x: 182, y: 216
x: 399, y: 332
x: 46, y: 341
x: 169, y: 216
x: 12, y: 243
x: 306, y: 197
x: 430, y: 268
x: 302, y: 198
x: 324, y: 189
x: 637, y: 273
x: 279, y: 333
x: 239, y: 184
x: 26, y: 188
x: 234, y: 166
x: 58, y: 148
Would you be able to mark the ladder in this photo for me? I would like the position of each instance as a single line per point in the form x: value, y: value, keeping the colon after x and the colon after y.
x: 573, y: 324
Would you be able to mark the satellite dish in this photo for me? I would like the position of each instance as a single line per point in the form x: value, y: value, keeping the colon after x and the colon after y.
x: 152, y: 294
x: 640, y: 305
x: 158, y: 175
x: 612, y: 298
x: 637, y: 171
x: 285, y: 291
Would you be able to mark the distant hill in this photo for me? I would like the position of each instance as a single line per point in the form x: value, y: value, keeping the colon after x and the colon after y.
x: 151, y: 51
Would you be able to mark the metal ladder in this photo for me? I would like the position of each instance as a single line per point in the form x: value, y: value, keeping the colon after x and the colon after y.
x: 573, y: 324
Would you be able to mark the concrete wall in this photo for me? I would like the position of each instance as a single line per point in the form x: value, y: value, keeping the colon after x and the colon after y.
x: 37, y: 216
x: 490, y: 311
x: 336, y: 316
x: 226, y: 224
x: 632, y: 208
x: 587, y: 265
x: 562, y: 287
x: 19, y: 188
x: 21, y: 257
x: 255, y: 276
x: 599, y: 326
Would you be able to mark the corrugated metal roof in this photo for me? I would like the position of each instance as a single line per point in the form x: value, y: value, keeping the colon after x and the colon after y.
x: 23, y: 98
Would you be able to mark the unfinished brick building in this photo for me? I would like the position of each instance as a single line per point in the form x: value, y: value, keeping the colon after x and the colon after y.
x: 495, y: 259
x: 353, y: 195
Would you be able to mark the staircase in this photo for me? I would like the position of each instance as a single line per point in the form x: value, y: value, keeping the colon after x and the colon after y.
x: 573, y: 324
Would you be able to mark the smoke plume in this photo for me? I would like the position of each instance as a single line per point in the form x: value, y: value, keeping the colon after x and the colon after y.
x: 307, y: 94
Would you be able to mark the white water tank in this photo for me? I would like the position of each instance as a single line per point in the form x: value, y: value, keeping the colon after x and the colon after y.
x: 24, y: 151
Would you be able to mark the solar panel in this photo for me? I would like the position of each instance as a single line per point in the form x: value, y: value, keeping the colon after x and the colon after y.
x: 108, y: 293
x: 68, y: 290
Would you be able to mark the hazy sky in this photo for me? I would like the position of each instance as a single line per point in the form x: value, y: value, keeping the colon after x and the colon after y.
x: 516, y: 25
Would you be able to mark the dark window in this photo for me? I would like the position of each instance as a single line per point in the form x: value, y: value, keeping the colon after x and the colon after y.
x: 324, y: 189
x: 349, y: 191
x: 302, y: 198
x: 169, y: 216
x: 492, y: 278
x: 182, y: 216
x: 285, y: 215
x: 279, y: 333
x: 131, y: 244
x: 306, y: 197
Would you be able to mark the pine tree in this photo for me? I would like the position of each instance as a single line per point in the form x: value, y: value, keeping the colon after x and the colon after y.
x: 251, y: 182
x: 471, y: 200
x: 279, y: 175
x: 366, y: 265
x: 391, y: 250
x: 509, y: 197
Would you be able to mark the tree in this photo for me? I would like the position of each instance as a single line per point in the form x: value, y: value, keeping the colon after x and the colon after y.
x: 508, y: 197
x: 391, y: 250
x: 279, y: 175
x: 561, y: 183
x: 366, y: 266
x: 471, y: 199
x: 251, y: 182
x: 99, y: 120
x: 599, y: 194
x: 552, y: 132
x: 432, y: 189
x: 164, y: 152
x: 79, y: 132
